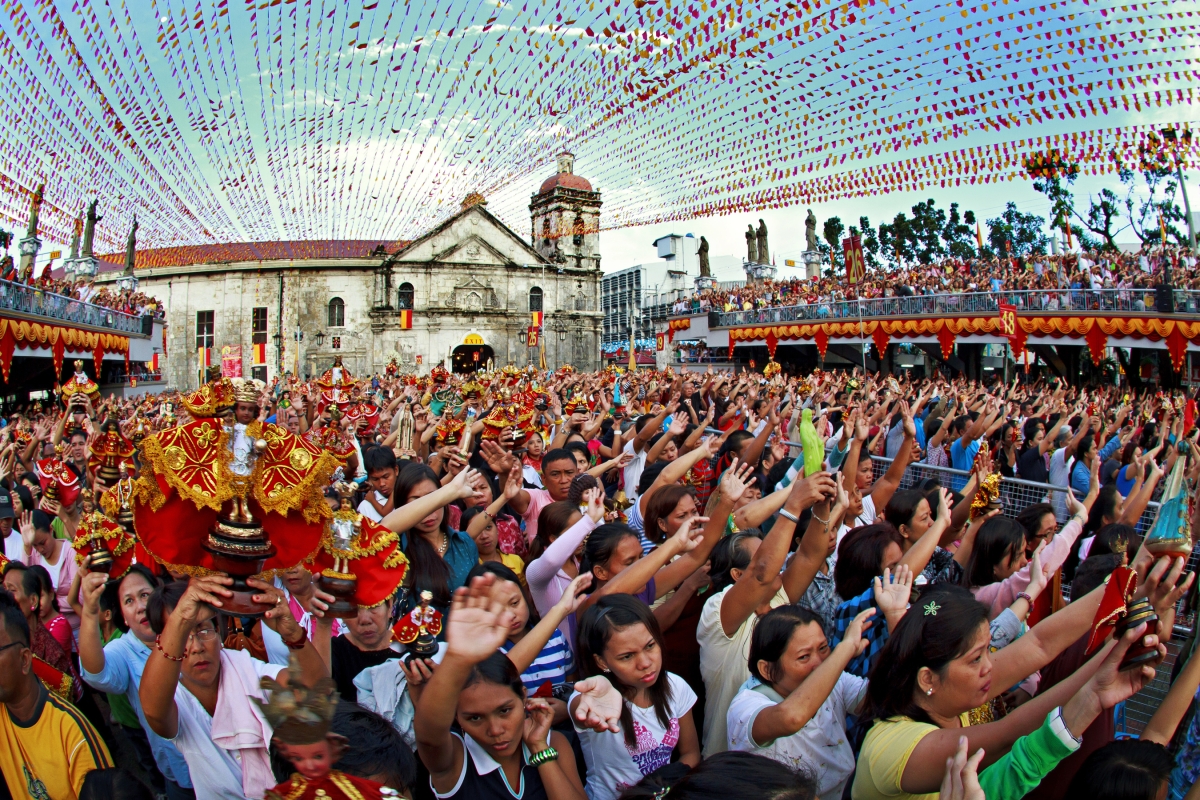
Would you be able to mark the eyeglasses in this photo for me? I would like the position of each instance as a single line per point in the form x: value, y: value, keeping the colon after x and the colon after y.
x: 12, y: 644
x: 201, y: 635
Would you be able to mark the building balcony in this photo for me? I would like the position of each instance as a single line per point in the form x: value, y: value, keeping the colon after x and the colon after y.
x: 38, y: 305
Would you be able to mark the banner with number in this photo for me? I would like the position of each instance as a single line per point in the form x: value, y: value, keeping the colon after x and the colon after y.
x: 1008, y: 322
x: 533, y: 333
x: 855, y: 265
x: 661, y: 341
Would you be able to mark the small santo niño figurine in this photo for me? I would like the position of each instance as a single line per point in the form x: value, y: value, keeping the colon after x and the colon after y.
x: 418, y: 629
x: 301, y: 719
x: 987, y: 498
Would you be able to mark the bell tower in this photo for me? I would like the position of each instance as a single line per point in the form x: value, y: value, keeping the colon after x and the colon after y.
x: 566, y: 218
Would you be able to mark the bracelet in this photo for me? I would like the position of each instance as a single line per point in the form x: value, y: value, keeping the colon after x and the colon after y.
x: 543, y: 756
x: 783, y: 512
x: 158, y: 646
x: 298, y: 644
x: 1026, y: 596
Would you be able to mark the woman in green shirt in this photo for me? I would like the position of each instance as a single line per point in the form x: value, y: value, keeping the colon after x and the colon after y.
x: 936, y: 667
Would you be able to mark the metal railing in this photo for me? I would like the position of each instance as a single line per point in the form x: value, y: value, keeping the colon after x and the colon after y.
x: 1135, y: 301
x: 30, y: 300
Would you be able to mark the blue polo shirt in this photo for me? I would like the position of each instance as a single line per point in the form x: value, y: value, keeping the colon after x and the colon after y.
x: 962, y: 458
x: 124, y: 661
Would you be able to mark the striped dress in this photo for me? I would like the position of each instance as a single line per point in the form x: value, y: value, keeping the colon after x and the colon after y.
x: 551, y: 665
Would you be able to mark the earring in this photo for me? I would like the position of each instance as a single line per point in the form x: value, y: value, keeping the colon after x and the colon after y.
x: 605, y: 669
x: 929, y: 692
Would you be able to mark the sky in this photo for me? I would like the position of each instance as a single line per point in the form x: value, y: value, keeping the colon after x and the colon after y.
x: 230, y: 120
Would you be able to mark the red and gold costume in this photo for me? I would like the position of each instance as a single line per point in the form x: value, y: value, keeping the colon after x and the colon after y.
x: 361, y: 556
x: 98, y: 531
x: 206, y: 471
x: 336, y: 785
x: 111, y: 455
x: 79, y: 384
x: 330, y: 436
x: 54, y: 679
x: 58, y: 481
x: 337, y: 385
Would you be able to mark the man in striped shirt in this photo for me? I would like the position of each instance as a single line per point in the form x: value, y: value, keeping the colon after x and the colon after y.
x: 46, y: 745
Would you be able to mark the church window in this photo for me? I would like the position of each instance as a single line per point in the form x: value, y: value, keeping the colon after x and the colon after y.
x: 577, y: 237
x: 337, y: 313
x: 258, y: 325
x: 205, y: 328
x: 535, y: 299
x: 405, y: 298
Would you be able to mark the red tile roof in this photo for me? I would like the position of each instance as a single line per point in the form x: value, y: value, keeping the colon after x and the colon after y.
x: 257, y: 251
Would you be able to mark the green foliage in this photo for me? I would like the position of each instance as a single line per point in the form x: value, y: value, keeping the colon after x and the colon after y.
x: 832, y: 231
x: 958, y: 233
x: 1024, y: 231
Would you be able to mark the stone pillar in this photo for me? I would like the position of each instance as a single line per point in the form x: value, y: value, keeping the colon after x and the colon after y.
x: 28, y: 248
x: 812, y: 263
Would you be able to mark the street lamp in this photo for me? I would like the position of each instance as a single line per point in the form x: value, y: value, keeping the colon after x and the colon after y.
x: 522, y: 336
x: 320, y: 338
x: 278, y: 339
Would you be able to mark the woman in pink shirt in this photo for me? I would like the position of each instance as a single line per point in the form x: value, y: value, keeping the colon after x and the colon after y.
x: 43, y: 549
x: 1013, y: 570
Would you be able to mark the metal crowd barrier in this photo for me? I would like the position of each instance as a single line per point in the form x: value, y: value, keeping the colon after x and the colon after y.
x: 30, y: 300
x: 1136, y: 301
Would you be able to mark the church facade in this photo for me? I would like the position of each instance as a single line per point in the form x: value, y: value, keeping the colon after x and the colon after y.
x: 461, y: 294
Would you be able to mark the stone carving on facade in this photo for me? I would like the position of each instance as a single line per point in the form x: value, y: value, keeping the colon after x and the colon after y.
x: 702, y: 251
x: 810, y: 231
x: 89, y: 229
x: 751, y: 245
x: 764, y: 252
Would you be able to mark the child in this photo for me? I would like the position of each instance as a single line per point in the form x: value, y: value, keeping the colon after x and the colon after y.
x: 479, y: 688
x: 481, y: 527
x: 631, y: 715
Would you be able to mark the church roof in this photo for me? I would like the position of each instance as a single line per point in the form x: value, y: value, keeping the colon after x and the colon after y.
x: 257, y: 251
x: 566, y: 180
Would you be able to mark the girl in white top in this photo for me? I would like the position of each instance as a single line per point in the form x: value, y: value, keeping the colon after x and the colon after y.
x: 630, y: 714
x: 793, y: 708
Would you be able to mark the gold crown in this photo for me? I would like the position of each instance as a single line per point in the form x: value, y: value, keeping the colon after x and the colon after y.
x: 247, y: 390
x: 78, y: 365
x: 299, y: 715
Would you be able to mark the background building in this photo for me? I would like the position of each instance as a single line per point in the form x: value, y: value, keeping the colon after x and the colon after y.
x: 462, y: 294
x: 642, y: 295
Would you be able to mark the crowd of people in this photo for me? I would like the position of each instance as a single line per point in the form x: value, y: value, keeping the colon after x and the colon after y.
x: 1068, y: 281
x: 127, y: 301
x: 640, y: 585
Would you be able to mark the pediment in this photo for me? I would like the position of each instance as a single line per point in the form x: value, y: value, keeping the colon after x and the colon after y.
x: 472, y: 236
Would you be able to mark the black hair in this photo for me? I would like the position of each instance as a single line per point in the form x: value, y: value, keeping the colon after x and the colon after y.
x: 557, y: 454
x: 1030, y: 428
x: 650, y: 475
x: 771, y: 636
x: 468, y: 515
x: 113, y: 783
x: 41, y: 520
x: 662, y: 505
x: 1092, y: 572
x: 25, y: 495
x: 492, y: 568
x: 35, y: 581
x: 577, y: 447
x: 997, y: 538
x: 112, y: 593
x: 497, y: 669
x: 553, y: 520
x: 429, y: 570
x: 377, y: 750
x: 922, y: 640
x: 728, y: 555
x: 377, y: 459
x: 608, y: 614
x: 1125, y: 769
x: 1116, y: 537
x: 724, y: 775
x: 1105, y: 506
x: 602, y: 543
x: 902, y: 507
x: 776, y: 474
x: 1031, y: 517
x: 13, y: 618
x: 860, y: 557
x: 162, y: 602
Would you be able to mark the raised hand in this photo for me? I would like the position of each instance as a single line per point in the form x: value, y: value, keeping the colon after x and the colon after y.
x: 574, y: 595
x: 962, y: 775
x: 464, y: 483
x: 599, y: 705
x: 478, y: 622
x: 854, y: 631
x: 200, y: 591
x: 539, y: 716
x: 686, y: 539
x: 1039, y: 575
x: 810, y: 490
x: 733, y: 483
x: 594, y: 500
x: 892, y: 594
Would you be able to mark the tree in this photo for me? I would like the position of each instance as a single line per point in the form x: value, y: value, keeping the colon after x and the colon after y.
x: 896, y: 240
x: 870, y: 243
x: 959, y: 233
x: 1145, y: 212
x: 832, y: 231
x: 1023, y: 231
x: 927, y: 224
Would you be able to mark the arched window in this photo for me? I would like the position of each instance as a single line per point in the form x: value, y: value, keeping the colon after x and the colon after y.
x: 337, y: 313
x: 404, y: 300
x: 535, y: 299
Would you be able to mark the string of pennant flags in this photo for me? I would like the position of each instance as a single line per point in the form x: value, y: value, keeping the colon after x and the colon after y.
x: 267, y: 120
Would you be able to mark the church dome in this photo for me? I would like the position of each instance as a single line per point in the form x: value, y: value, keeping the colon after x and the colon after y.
x: 565, y: 180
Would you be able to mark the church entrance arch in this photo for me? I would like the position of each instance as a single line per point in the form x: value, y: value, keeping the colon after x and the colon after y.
x: 472, y: 355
